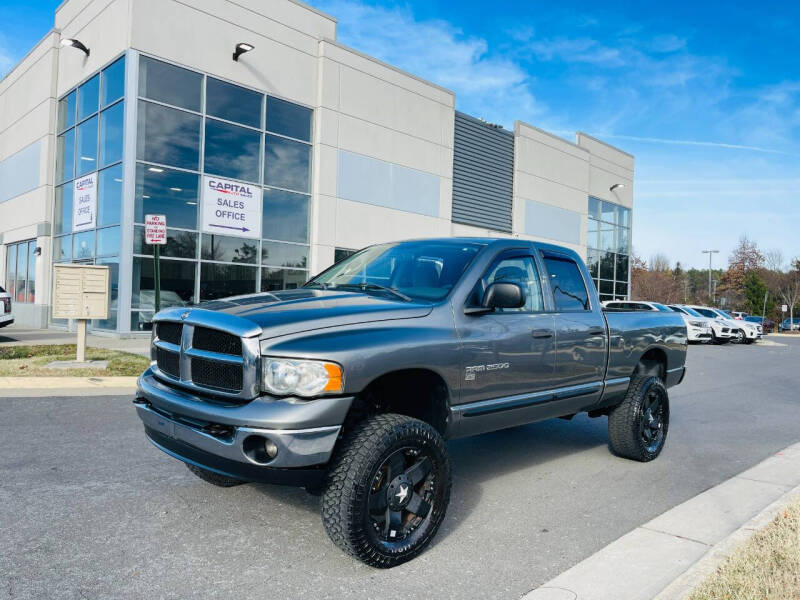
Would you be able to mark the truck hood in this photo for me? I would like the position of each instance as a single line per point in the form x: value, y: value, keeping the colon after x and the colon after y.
x: 294, y: 311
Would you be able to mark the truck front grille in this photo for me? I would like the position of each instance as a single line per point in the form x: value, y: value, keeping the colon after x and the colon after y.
x: 216, y: 341
x: 170, y: 332
x: 168, y: 362
x: 218, y: 362
x: 217, y: 375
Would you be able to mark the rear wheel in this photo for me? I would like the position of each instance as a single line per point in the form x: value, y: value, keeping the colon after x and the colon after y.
x: 214, y: 478
x: 638, y: 426
x: 388, y: 490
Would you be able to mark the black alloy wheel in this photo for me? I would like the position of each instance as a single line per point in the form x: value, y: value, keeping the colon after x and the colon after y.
x: 388, y: 490
x: 638, y: 426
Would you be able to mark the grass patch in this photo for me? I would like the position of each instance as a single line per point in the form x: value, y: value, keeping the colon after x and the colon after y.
x: 766, y: 567
x: 30, y: 361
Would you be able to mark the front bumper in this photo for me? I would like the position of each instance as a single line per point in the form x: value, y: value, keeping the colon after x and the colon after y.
x: 698, y: 334
x: 230, y: 438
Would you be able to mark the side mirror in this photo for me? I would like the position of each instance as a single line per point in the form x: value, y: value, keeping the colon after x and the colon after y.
x: 503, y: 295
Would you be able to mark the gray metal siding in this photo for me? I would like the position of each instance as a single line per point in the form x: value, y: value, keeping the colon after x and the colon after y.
x: 483, y: 174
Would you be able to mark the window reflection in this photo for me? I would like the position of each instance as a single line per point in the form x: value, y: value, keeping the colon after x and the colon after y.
x: 164, y: 191
x: 111, y: 139
x: 113, y: 82
x: 285, y: 216
x: 62, y: 248
x: 66, y: 111
x: 62, y: 215
x: 169, y: 84
x: 108, y: 241
x: 87, y: 147
x: 288, y: 119
x: 231, y: 151
x: 287, y: 164
x: 177, y: 283
x: 233, y: 103
x: 83, y: 245
x: 180, y: 244
x: 65, y: 156
x: 221, y: 281
x: 109, y: 196
x: 277, y: 254
x: 168, y: 136
x: 88, y: 97
x: 229, y: 249
x: 282, y: 279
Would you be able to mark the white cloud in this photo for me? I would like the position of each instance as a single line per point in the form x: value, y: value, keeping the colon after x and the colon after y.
x: 489, y: 86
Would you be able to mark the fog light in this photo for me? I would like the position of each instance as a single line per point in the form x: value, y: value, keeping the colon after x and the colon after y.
x: 271, y: 449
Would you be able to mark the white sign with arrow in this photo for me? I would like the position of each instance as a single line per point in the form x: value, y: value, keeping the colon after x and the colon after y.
x: 231, y: 208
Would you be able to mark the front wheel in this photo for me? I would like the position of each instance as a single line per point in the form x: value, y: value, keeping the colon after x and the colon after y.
x: 388, y: 490
x: 637, y: 427
x: 738, y: 337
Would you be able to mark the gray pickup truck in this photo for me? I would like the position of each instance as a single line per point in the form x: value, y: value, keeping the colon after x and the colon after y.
x: 349, y: 385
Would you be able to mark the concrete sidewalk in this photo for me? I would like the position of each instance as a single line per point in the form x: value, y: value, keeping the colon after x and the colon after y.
x: 657, y: 559
x: 18, y: 336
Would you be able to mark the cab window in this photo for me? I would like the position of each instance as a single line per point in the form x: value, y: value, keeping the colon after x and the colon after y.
x: 569, y: 291
x: 520, y: 270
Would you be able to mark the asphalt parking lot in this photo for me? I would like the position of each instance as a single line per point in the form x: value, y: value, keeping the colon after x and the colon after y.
x: 89, y: 509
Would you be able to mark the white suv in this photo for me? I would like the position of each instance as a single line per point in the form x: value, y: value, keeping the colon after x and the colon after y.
x: 5, y: 308
x: 741, y: 331
x: 698, y: 328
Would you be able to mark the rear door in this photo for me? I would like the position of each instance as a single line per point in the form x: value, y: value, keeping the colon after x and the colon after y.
x: 581, y: 334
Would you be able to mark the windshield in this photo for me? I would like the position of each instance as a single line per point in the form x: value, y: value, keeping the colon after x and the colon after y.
x: 691, y: 311
x: 420, y: 270
x: 724, y: 314
x: 660, y: 307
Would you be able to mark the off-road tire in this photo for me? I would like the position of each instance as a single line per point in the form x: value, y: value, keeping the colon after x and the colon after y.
x: 625, y: 419
x: 357, y: 460
x: 214, y: 478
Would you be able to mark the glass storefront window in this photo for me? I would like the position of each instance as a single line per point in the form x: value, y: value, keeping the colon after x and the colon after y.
x: 592, y: 262
x: 282, y: 279
x: 20, y: 280
x: 608, y: 246
x: 233, y: 103
x: 66, y: 111
x: 62, y: 248
x: 166, y: 192
x: 177, y: 283
x: 287, y: 164
x: 229, y: 249
x: 111, y: 122
x: 623, y: 234
x: 62, y: 214
x: 608, y: 212
x: 11, y: 270
x: 169, y: 84
x: 22, y: 271
x: 231, y: 151
x: 168, y: 136
x: 88, y: 97
x: 31, y: 288
x: 113, y: 266
x: 607, y: 237
x: 285, y: 216
x: 83, y: 245
x: 180, y: 244
x: 288, y: 119
x: 624, y: 216
x: 220, y: 281
x: 65, y: 156
x: 113, y: 82
x: 109, y: 196
x: 277, y: 254
x: 86, y: 147
x: 606, y: 265
x: 108, y: 241
x: 622, y: 267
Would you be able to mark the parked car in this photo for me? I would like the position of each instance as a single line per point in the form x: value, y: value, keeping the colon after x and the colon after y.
x: 789, y: 324
x: 721, y: 332
x: 698, y: 327
x: 349, y: 385
x: 6, y: 318
x: 629, y: 305
x: 741, y: 331
x: 767, y: 324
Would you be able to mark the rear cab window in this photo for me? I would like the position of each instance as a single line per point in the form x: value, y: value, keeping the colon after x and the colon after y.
x: 567, y: 284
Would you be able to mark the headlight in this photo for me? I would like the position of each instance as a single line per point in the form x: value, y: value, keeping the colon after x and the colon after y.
x: 283, y: 376
x: 696, y: 323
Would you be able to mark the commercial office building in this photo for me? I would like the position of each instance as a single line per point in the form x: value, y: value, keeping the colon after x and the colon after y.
x: 335, y: 150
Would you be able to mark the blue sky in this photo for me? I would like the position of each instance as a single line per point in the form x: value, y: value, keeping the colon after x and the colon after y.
x: 706, y: 95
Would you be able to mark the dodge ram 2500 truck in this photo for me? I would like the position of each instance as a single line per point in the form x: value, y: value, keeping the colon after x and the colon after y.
x: 349, y: 385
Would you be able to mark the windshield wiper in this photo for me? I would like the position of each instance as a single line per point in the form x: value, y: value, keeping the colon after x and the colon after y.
x: 364, y: 286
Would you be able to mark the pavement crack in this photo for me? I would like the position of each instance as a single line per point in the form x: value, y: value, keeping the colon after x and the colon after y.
x: 680, y: 537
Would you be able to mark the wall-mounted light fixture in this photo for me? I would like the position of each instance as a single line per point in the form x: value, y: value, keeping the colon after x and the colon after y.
x: 240, y: 49
x: 616, y: 186
x: 73, y: 43
x: 38, y: 251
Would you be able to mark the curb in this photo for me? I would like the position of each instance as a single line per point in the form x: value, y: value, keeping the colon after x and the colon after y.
x: 684, y: 585
x: 62, y: 383
x: 684, y: 544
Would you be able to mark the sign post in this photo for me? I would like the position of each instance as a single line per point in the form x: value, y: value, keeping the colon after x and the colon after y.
x: 80, y: 292
x: 155, y: 234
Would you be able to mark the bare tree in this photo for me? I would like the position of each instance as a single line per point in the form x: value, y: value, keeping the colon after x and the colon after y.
x: 773, y: 259
x: 788, y: 288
